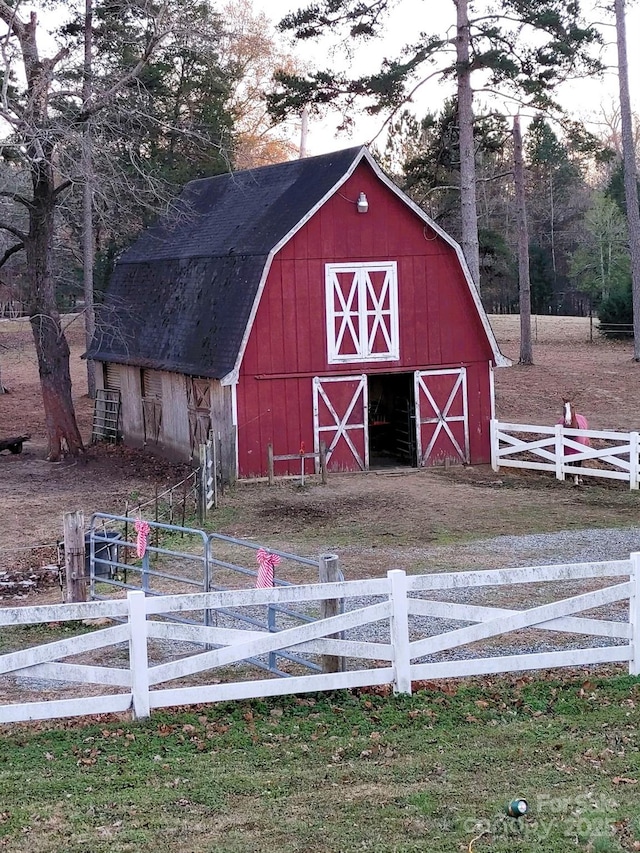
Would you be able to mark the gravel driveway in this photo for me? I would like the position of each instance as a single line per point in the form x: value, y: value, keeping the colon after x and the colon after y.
x: 569, y: 546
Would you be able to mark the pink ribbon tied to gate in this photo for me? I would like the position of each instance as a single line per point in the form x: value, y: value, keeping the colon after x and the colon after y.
x: 266, y: 565
x: 143, y: 529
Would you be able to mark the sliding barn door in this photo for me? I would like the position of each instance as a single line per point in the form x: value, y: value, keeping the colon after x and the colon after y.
x: 340, y: 420
x: 442, y: 416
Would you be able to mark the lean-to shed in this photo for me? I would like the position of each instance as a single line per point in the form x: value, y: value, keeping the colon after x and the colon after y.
x: 306, y: 302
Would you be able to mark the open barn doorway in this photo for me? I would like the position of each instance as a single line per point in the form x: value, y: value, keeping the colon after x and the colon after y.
x: 392, y: 420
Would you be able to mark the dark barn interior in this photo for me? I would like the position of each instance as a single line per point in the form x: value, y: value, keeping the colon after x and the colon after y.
x: 392, y: 431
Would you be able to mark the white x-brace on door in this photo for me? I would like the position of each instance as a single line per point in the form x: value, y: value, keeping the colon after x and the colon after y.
x: 340, y: 405
x: 442, y: 415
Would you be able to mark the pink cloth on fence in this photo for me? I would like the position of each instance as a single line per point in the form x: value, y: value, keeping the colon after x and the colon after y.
x: 143, y: 529
x: 266, y: 565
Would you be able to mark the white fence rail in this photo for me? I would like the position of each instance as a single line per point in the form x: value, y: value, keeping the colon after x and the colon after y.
x: 398, y: 601
x: 612, y: 455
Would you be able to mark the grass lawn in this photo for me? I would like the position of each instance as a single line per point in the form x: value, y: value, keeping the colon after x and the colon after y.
x: 339, y: 772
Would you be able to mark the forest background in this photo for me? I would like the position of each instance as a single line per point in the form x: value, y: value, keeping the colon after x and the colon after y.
x: 110, y: 106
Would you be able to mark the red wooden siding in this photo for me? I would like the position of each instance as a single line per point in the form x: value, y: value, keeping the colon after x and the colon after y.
x: 277, y: 412
x: 439, y: 323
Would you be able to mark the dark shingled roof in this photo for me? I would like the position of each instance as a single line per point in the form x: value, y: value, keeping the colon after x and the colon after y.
x: 180, y: 298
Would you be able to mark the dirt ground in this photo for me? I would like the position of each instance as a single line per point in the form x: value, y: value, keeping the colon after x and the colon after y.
x: 370, y: 518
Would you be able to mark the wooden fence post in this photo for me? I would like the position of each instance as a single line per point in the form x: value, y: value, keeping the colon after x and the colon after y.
x: 74, y: 557
x: 270, y: 463
x: 323, y: 462
x: 400, y: 631
x: 201, y: 487
x: 329, y: 572
x: 216, y: 455
x: 138, y: 656
x: 634, y: 615
x: 232, y: 469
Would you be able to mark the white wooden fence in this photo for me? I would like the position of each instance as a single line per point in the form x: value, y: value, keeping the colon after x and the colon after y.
x: 556, y: 448
x: 401, y: 657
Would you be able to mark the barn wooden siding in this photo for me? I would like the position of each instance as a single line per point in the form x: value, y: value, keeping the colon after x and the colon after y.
x: 439, y: 322
x: 167, y: 394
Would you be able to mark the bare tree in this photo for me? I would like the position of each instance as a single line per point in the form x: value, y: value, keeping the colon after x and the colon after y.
x: 88, y: 247
x: 249, y: 48
x: 51, y: 105
x: 630, y: 171
x: 524, y: 281
x: 468, y: 203
x: 40, y: 112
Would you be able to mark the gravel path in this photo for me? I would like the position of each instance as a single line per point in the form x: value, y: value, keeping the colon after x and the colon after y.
x: 568, y: 546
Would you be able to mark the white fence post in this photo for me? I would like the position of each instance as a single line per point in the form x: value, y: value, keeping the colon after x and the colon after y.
x: 493, y: 432
x: 138, y: 659
x: 399, y: 625
x: 559, y: 448
x: 634, y: 615
x: 634, y: 466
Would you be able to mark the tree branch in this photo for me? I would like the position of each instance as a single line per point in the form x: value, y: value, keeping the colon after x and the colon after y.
x: 6, y: 226
x: 17, y: 247
x: 106, y: 98
x: 19, y: 199
x: 62, y: 187
x: 15, y: 24
x: 406, y: 100
x: 12, y: 116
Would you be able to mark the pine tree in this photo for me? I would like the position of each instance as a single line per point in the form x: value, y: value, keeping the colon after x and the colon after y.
x: 492, y: 41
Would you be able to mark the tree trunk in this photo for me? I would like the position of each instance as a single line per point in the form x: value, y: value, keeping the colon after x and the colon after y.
x: 51, y: 345
x: 55, y: 382
x: 526, y: 349
x: 88, y: 253
x: 88, y: 263
x: 630, y: 171
x: 468, y: 205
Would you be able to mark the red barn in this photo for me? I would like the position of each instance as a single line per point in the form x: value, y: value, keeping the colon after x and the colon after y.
x: 293, y: 304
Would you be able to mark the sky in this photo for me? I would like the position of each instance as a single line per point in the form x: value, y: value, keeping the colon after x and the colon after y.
x: 585, y: 98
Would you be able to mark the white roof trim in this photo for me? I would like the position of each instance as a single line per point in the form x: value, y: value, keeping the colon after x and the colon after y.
x: 232, y: 377
x: 363, y: 154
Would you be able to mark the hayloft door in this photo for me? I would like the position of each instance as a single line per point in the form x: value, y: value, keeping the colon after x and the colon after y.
x: 442, y: 416
x: 340, y: 405
x: 362, y: 312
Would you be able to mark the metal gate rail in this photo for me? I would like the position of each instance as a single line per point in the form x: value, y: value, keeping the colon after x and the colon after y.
x: 109, y: 565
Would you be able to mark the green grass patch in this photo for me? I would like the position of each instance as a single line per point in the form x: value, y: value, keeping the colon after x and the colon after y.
x: 16, y: 637
x: 338, y: 772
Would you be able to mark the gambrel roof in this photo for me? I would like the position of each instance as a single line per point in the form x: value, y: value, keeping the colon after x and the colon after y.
x: 182, y: 298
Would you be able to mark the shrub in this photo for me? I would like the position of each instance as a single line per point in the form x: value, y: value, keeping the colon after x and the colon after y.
x: 616, y: 313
